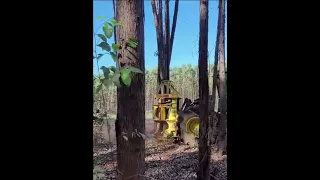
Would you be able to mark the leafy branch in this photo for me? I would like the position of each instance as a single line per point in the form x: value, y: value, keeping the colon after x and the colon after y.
x: 112, y: 75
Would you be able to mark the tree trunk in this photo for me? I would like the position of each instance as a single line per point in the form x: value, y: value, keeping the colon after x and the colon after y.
x: 131, y: 100
x: 222, y: 83
x: 166, y: 40
x: 213, y: 119
x: 157, y: 14
x: 173, y: 30
x: 204, y: 149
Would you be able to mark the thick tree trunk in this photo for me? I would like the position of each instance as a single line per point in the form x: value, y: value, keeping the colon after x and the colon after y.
x: 157, y: 14
x: 161, y: 63
x: 166, y: 39
x: 131, y: 100
x: 204, y: 149
x: 222, y: 82
x: 213, y: 120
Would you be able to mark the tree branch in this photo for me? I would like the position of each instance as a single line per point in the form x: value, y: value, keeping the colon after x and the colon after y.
x: 173, y: 30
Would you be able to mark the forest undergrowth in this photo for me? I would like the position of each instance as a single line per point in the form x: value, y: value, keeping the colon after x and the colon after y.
x: 164, y: 160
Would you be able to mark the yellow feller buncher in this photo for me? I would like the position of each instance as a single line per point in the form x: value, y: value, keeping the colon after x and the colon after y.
x: 181, y: 124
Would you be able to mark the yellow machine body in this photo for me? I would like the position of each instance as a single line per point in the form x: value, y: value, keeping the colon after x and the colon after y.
x: 166, y: 109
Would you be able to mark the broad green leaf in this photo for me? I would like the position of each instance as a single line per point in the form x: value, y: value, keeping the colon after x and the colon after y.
x: 115, y: 78
x: 132, y: 69
x: 99, y: 88
x: 109, y: 32
x: 105, y: 25
x: 105, y: 29
x: 132, y: 43
x: 106, y: 72
x: 101, y: 36
x: 114, y: 22
x: 115, y: 47
x: 113, y: 69
x: 114, y: 56
x: 125, y: 76
x: 100, y: 17
x: 105, y: 46
x: 110, y: 24
x: 100, y: 56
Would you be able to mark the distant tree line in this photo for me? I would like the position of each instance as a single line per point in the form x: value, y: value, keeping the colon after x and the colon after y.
x: 185, y: 79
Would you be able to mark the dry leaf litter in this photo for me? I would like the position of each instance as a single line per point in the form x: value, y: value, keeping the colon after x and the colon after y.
x: 164, y: 160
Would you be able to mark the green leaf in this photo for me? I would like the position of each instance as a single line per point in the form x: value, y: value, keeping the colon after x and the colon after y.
x: 100, y: 17
x: 106, y: 72
x: 105, y: 25
x: 114, y: 22
x: 109, y: 32
x: 101, y: 36
x: 132, y: 43
x: 98, y: 88
x: 105, y: 46
x: 110, y: 24
x: 115, y: 47
x: 114, y: 56
x: 132, y: 69
x: 100, y: 56
x: 115, y: 78
x: 125, y: 76
x: 113, y: 69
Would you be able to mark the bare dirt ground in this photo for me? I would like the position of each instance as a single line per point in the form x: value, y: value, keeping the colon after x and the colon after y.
x: 164, y: 159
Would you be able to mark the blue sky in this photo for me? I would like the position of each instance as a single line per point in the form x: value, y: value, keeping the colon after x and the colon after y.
x: 185, y: 48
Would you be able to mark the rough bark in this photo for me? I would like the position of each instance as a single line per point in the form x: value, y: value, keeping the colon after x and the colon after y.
x: 212, y: 116
x: 166, y: 34
x: 204, y: 149
x: 222, y: 83
x: 158, y: 23
x: 174, y: 24
x: 131, y: 100
x: 161, y: 63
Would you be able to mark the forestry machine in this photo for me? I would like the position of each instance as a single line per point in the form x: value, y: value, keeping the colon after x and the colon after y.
x: 181, y: 124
